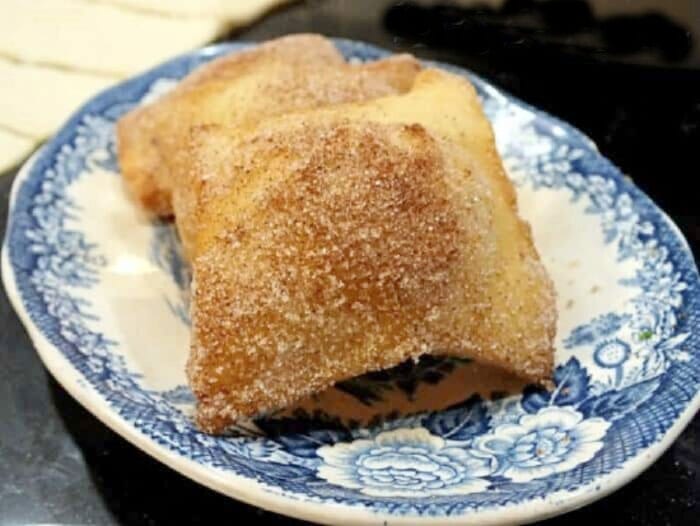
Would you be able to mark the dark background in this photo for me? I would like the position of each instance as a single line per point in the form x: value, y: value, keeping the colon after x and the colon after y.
x: 626, y: 72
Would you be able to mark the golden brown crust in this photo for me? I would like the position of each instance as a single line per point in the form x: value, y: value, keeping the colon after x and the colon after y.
x: 340, y: 241
x: 329, y: 271
x: 290, y: 73
x: 339, y: 220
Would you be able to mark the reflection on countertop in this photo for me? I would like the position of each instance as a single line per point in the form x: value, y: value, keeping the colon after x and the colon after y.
x: 578, y: 28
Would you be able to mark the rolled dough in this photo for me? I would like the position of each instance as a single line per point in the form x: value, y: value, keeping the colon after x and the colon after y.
x: 35, y: 100
x: 13, y: 148
x: 233, y: 11
x: 97, y: 37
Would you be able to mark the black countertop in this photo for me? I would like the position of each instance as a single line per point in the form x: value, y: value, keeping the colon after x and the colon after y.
x: 626, y: 73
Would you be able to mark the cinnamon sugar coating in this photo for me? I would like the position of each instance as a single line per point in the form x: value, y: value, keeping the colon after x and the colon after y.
x: 337, y: 245
x: 289, y: 73
x: 337, y: 224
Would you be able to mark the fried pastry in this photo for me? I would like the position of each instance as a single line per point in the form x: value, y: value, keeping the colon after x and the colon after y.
x: 290, y: 73
x: 332, y: 242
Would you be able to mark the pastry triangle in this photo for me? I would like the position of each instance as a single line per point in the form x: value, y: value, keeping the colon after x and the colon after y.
x: 332, y: 242
x: 290, y: 73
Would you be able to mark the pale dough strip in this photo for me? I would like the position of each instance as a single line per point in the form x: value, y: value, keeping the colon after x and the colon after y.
x: 13, y: 148
x: 236, y: 12
x: 35, y: 100
x: 97, y: 37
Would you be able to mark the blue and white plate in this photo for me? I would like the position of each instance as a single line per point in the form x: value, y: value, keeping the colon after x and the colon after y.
x: 102, y: 292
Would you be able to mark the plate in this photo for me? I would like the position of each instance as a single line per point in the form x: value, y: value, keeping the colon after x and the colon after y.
x: 103, y: 294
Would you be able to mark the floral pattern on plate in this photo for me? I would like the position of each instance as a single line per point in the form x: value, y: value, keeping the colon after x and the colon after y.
x: 626, y: 380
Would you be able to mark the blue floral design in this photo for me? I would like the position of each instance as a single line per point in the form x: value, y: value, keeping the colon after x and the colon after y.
x: 596, y: 330
x: 55, y: 267
x: 405, y: 463
x: 611, y: 354
x: 553, y: 440
x: 572, y: 387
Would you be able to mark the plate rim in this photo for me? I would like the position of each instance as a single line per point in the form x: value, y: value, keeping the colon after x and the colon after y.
x: 256, y: 493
